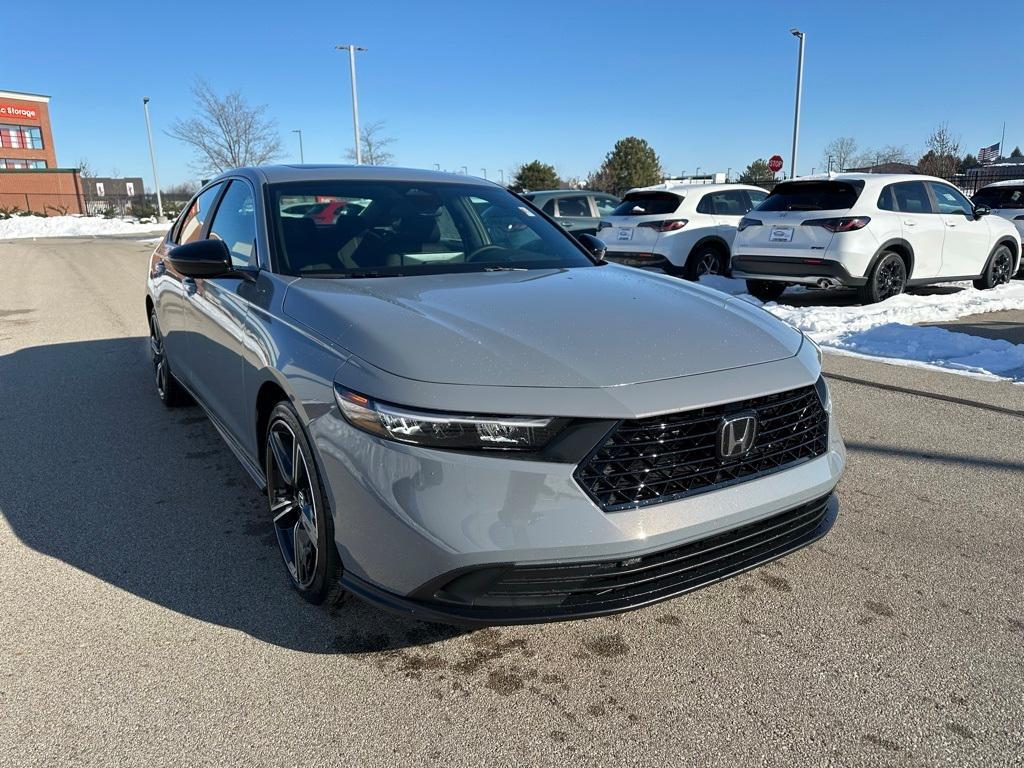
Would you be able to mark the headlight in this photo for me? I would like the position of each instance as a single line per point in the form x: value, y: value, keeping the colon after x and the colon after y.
x: 813, y: 343
x: 446, y: 430
x: 823, y: 394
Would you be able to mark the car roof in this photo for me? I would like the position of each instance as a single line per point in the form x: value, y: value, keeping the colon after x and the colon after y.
x: 873, y: 179
x: 1007, y: 183
x: 563, y: 192
x: 683, y: 189
x: 277, y: 174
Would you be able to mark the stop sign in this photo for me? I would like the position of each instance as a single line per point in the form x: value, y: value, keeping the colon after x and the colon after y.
x: 775, y: 163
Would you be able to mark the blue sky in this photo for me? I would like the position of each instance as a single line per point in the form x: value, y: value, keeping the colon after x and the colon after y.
x: 491, y: 85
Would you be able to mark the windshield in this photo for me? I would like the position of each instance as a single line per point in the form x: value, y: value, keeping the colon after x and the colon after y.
x: 812, y: 196
x: 1000, y: 197
x: 647, y: 204
x: 391, y: 228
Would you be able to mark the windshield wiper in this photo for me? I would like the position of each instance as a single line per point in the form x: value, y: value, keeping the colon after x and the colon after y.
x: 367, y: 273
x: 505, y: 269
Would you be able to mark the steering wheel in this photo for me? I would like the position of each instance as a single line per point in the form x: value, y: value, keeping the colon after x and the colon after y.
x: 474, y: 257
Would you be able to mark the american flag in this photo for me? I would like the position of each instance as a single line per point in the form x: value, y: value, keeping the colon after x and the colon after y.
x: 988, y: 154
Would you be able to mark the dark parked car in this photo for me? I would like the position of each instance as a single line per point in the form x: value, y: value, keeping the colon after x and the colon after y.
x: 578, y: 210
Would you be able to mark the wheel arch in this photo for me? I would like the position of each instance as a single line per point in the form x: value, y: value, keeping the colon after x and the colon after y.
x: 898, y: 246
x: 271, y: 391
x: 1010, y: 243
x: 719, y: 244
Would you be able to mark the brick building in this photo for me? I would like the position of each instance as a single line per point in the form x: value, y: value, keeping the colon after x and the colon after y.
x: 30, y: 178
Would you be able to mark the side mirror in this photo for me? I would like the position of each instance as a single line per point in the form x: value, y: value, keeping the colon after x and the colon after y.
x: 595, y: 246
x: 981, y: 210
x: 202, y: 258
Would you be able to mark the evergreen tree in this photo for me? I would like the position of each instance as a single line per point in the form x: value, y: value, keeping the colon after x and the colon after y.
x: 757, y: 172
x: 631, y: 163
x: 535, y: 176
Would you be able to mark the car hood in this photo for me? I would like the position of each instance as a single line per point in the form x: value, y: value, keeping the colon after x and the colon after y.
x: 585, y: 327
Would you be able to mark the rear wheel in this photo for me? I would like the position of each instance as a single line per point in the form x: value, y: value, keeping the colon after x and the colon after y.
x: 300, y: 515
x: 765, y: 290
x: 999, y: 269
x: 887, y: 279
x: 705, y: 260
x: 170, y: 392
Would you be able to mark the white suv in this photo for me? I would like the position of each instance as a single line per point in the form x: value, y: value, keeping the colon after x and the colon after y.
x: 1006, y: 199
x: 877, y: 232
x: 683, y: 229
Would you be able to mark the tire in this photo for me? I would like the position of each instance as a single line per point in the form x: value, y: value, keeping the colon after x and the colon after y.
x: 887, y: 279
x: 299, y: 511
x: 766, y: 290
x: 999, y: 269
x: 704, y: 260
x: 170, y: 392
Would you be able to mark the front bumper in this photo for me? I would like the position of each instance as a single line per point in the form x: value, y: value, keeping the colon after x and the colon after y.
x: 789, y: 270
x: 515, y: 593
x: 640, y: 259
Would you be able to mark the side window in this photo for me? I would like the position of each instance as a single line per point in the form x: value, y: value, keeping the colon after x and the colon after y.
x: 192, y: 222
x: 730, y: 203
x: 756, y: 197
x: 573, y: 206
x: 912, y: 197
x: 235, y: 224
x: 950, y: 200
x: 886, y: 201
x: 605, y: 205
x: 705, y: 205
x: 549, y: 207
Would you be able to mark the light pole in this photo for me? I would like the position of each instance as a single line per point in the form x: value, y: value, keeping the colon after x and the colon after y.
x: 697, y: 174
x: 302, y: 156
x: 152, y: 159
x: 501, y: 175
x: 485, y: 172
x: 437, y: 166
x: 799, y: 90
x: 355, y: 97
x: 465, y: 171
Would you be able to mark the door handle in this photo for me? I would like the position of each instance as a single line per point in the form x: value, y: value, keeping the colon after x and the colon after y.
x: 189, y: 285
x: 951, y: 225
x: 159, y: 268
x: 909, y: 223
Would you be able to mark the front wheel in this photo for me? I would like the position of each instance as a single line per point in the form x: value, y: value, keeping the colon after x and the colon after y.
x: 998, y: 270
x: 170, y: 392
x: 887, y: 279
x: 765, y: 290
x: 300, y: 515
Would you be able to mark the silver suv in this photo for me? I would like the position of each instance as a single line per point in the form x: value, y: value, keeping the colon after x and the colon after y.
x: 460, y: 412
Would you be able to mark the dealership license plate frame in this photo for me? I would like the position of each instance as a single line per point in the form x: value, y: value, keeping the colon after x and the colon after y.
x: 780, y: 235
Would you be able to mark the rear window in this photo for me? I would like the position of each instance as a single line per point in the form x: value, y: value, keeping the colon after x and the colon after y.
x: 812, y: 196
x: 647, y: 204
x: 1000, y: 197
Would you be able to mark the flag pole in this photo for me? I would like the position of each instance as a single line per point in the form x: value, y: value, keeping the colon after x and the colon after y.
x: 1002, y: 138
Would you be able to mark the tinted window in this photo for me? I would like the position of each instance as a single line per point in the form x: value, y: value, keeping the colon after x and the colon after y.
x: 605, y: 205
x: 192, y: 222
x: 415, y: 228
x: 886, y: 201
x: 1001, y: 197
x: 731, y: 202
x: 235, y: 224
x: 756, y: 197
x: 812, y: 196
x: 912, y: 197
x: 573, y: 206
x: 648, y: 204
x: 549, y: 207
x: 950, y: 200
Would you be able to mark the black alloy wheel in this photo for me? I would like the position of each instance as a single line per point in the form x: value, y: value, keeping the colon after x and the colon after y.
x: 302, y: 523
x: 170, y: 392
x: 706, y: 261
x: 998, y: 271
x: 887, y: 279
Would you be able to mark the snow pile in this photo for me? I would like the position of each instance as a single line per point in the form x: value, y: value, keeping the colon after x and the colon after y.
x: 18, y: 227
x: 888, y: 329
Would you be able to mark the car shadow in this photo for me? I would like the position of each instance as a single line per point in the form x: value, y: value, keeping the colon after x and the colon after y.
x: 843, y: 297
x: 98, y: 474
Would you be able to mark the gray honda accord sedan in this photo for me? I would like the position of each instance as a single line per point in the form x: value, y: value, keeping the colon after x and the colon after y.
x: 460, y: 412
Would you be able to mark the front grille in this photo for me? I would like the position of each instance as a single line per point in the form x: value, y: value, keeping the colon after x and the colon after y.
x: 663, y: 458
x: 594, y: 587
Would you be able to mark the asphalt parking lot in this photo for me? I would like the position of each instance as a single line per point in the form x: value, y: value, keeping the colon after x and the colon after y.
x: 145, y: 618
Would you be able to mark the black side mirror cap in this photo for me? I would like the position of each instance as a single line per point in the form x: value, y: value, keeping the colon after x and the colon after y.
x: 981, y: 210
x: 594, y: 246
x: 202, y: 258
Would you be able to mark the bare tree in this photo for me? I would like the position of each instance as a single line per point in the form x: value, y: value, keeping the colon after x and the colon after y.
x: 84, y: 169
x: 943, y: 155
x: 840, y: 152
x: 890, y: 153
x: 226, y: 132
x: 374, y: 145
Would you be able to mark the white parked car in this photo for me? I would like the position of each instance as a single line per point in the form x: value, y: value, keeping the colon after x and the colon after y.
x: 878, y: 233
x: 683, y: 229
x: 1006, y: 199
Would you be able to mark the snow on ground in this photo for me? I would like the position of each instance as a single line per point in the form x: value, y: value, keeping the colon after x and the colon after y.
x: 889, y: 329
x: 18, y: 227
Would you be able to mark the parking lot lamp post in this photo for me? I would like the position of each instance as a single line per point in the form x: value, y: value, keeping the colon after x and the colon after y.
x: 465, y: 171
x: 152, y: 159
x: 302, y: 156
x: 355, y: 96
x: 799, y: 89
x: 437, y: 166
x: 501, y: 175
x: 485, y: 172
